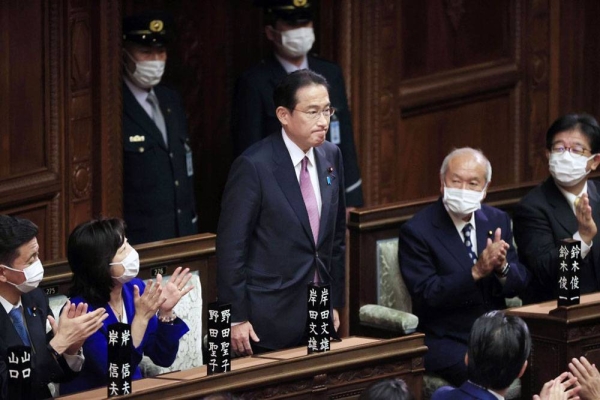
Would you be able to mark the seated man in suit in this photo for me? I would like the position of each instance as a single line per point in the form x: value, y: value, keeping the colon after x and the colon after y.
x: 26, y: 319
x: 283, y: 223
x: 457, y: 261
x: 499, y: 346
x: 566, y: 205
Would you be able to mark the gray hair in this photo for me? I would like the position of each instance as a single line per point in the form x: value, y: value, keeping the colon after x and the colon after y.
x: 478, y: 155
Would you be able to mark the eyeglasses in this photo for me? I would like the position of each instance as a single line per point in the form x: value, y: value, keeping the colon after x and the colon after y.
x: 575, y: 150
x: 314, y: 114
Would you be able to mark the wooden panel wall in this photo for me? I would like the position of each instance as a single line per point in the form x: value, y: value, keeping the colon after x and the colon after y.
x: 422, y: 76
x: 58, y: 121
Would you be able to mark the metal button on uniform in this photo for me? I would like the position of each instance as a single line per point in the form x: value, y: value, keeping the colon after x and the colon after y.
x: 176, y: 183
x: 171, y: 154
x: 141, y: 149
x: 179, y: 211
x: 317, y: 254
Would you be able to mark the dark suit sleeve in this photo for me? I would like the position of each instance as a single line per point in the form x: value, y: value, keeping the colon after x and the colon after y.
x: 518, y: 276
x: 248, y: 116
x: 239, y: 211
x: 354, y: 193
x: 428, y: 284
x: 338, y: 256
x: 535, y: 241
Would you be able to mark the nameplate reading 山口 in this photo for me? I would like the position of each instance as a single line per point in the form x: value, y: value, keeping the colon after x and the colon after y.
x: 569, y: 267
x: 18, y: 364
x: 219, y: 338
x: 318, y: 326
x: 119, y: 359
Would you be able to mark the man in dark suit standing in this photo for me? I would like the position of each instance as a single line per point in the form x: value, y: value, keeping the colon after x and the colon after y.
x: 26, y: 319
x: 457, y: 261
x: 289, y: 27
x: 282, y: 222
x: 158, y: 173
x: 566, y: 205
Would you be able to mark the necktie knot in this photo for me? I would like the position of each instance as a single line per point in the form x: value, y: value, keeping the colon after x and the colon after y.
x: 17, y: 319
x: 304, y: 164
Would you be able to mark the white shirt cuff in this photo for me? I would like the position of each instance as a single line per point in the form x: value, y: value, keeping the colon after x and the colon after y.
x: 74, y: 361
x: 585, y: 249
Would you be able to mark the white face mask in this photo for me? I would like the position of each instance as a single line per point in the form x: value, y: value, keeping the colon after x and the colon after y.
x: 568, y: 170
x: 33, y: 276
x: 131, y: 263
x: 146, y: 74
x: 462, y: 202
x: 297, y: 42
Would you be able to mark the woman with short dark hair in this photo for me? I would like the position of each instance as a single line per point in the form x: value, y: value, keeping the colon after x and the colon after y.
x: 105, y: 269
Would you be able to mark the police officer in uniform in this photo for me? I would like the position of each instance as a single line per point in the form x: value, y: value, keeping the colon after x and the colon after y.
x: 158, y: 174
x: 289, y: 26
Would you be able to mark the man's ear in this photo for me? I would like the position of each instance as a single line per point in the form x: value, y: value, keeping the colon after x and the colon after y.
x: 523, y: 369
x: 595, y: 162
x: 270, y: 33
x: 2, y: 276
x: 467, y: 359
x: 283, y: 115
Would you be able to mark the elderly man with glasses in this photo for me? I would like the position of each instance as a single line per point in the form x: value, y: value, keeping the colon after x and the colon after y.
x: 566, y: 205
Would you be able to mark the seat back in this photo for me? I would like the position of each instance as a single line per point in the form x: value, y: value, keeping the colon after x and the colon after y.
x: 189, y: 309
x: 391, y: 289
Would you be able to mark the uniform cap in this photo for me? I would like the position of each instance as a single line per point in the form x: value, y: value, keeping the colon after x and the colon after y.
x: 291, y: 11
x: 151, y: 28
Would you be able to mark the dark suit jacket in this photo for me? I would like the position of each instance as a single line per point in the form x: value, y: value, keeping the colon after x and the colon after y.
x: 160, y: 343
x: 45, y: 368
x: 467, y: 391
x: 437, y: 271
x: 254, y: 117
x: 541, y: 219
x: 266, y: 253
x: 158, y: 194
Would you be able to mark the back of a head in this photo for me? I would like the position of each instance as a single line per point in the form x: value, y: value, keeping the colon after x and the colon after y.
x: 499, y: 345
x: 90, y: 249
x: 582, y: 122
x: 14, y: 232
x: 292, y: 12
x: 387, y: 389
x: 285, y: 92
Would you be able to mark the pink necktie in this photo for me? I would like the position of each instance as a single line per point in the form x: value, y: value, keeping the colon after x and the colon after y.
x: 310, y: 200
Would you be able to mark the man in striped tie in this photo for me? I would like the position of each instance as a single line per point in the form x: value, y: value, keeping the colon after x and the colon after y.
x: 282, y: 222
x: 458, y: 262
x: 26, y: 319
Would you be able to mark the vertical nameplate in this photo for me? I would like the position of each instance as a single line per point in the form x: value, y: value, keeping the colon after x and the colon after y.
x: 18, y: 364
x: 318, y: 326
x: 219, y: 338
x: 569, y: 266
x: 119, y: 359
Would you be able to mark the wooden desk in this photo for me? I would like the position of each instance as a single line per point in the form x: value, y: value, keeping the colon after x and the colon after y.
x: 558, y: 335
x: 343, y: 372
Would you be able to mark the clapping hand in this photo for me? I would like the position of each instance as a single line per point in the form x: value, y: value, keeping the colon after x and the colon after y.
x: 174, y: 289
x: 74, y: 327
